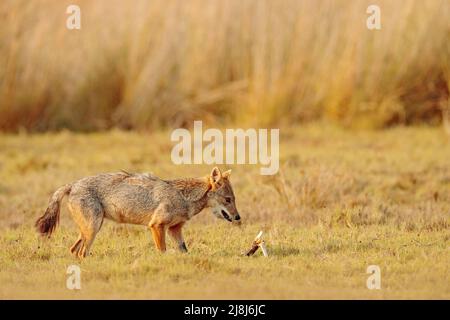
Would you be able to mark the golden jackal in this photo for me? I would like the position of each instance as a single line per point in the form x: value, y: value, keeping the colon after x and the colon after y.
x: 140, y: 199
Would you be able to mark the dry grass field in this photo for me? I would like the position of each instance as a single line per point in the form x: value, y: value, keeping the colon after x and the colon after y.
x: 343, y: 200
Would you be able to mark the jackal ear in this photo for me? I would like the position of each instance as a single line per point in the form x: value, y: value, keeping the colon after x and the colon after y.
x: 226, y: 174
x: 216, y: 175
x: 215, y: 178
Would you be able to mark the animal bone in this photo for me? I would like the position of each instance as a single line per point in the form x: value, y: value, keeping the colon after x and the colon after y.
x: 258, y: 243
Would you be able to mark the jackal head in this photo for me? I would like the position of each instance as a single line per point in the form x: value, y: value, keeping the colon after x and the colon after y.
x: 221, y: 198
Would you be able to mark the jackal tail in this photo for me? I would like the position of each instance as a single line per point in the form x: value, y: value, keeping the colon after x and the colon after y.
x: 46, y: 224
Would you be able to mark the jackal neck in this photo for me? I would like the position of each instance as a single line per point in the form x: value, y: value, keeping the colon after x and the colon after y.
x: 194, y: 192
x: 196, y: 206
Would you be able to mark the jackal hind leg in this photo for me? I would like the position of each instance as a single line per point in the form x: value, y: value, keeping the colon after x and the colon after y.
x: 89, y: 234
x: 177, y: 235
x: 89, y: 217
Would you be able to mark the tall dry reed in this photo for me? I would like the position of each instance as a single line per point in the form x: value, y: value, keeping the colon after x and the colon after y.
x: 147, y: 64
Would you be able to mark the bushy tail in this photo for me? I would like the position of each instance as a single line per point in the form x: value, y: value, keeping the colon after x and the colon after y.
x: 46, y: 224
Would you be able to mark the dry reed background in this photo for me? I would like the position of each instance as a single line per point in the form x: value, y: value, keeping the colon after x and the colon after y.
x: 150, y: 64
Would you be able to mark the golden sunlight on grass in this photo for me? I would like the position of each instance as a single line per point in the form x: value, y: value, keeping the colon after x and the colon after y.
x: 343, y: 201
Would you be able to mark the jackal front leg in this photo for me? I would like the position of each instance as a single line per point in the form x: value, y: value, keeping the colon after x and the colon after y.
x: 159, y: 236
x: 176, y: 234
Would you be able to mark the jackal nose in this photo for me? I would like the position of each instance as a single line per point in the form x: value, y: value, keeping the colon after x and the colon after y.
x: 237, y: 217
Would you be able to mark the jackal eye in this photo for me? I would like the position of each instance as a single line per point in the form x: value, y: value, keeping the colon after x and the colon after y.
x: 228, y: 199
